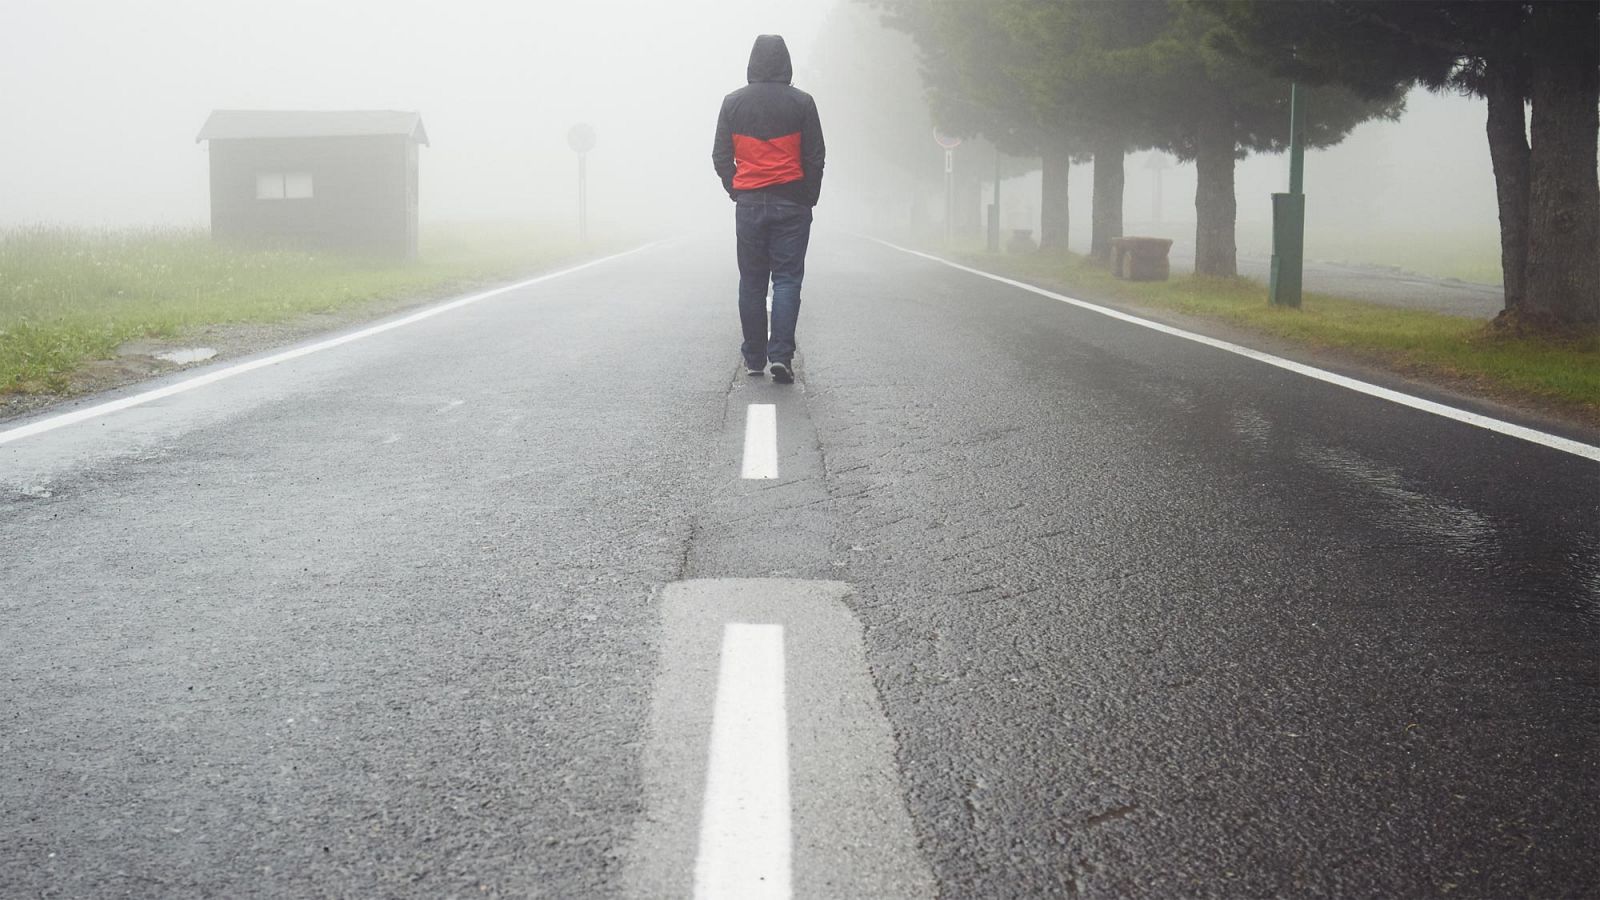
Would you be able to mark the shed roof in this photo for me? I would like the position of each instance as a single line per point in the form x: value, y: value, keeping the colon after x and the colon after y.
x: 229, y: 124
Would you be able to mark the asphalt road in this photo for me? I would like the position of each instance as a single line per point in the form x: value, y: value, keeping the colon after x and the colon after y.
x: 1067, y: 607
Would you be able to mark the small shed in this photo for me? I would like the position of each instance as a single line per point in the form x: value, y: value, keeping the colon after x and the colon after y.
x: 342, y: 181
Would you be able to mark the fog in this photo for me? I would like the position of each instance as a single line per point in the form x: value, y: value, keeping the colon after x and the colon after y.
x: 1426, y: 175
x: 104, y: 98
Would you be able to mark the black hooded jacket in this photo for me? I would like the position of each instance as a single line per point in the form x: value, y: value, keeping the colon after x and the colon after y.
x: 769, y: 138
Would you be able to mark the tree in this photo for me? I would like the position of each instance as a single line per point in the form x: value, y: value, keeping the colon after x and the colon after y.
x: 1144, y: 75
x: 1107, y: 78
x: 1509, y: 54
x: 1563, y: 264
x: 1074, y: 60
x: 969, y: 67
x: 1220, y: 108
x: 876, y: 114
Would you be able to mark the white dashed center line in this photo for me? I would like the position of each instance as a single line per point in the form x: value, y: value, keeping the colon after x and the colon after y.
x: 769, y: 770
x: 761, y: 441
x: 744, y: 822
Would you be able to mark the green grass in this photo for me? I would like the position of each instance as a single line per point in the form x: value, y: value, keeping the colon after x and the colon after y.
x: 1446, y: 251
x: 1562, y: 373
x: 71, y: 296
x: 1465, y: 255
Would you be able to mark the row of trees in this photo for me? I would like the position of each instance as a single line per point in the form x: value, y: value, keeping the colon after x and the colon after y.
x: 1068, y: 81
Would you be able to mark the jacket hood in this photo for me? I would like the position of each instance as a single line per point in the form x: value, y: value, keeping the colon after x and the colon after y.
x: 769, y: 60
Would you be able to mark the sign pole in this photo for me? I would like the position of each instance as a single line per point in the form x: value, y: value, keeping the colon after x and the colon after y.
x: 949, y: 144
x: 583, y: 198
x: 994, y: 208
x: 949, y: 195
x: 581, y: 139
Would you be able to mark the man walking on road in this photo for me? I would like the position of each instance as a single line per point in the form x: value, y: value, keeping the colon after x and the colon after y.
x: 769, y: 153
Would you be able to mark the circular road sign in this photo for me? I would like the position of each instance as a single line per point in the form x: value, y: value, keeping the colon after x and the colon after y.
x: 581, y: 137
x: 945, y: 140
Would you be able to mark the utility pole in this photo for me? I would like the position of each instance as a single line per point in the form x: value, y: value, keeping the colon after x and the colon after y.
x: 1289, y: 215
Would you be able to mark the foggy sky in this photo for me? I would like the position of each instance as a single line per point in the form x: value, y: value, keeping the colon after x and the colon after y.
x: 103, y: 98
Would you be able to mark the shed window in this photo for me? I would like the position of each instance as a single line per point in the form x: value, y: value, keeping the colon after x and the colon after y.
x: 283, y: 186
x: 269, y: 187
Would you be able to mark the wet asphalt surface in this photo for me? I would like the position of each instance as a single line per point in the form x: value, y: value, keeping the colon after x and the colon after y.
x: 1145, y: 619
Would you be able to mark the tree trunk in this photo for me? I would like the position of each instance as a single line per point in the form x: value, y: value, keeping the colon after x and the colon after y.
x: 1054, y: 216
x: 1508, y: 150
x: 1215, y: 207
x: 1106, y: 217
x: 1563, y: 274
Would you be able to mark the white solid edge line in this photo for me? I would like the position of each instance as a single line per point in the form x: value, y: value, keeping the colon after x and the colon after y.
x: 1555, y: 442
x: 760, y: 441
x: 82, y: 415
x: 744, y: 849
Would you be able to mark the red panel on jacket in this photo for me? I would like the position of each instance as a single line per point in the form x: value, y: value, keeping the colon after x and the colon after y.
x: 759, y: 164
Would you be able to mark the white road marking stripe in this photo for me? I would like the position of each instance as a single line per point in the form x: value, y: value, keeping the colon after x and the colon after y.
x: 760, y: 441
x: 212, y: 377
x: 850, y: 832
x: 1555, y: 442
x: 744, y: 822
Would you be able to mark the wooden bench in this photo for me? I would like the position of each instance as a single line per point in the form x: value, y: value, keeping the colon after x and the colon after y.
x: 1140, y: 258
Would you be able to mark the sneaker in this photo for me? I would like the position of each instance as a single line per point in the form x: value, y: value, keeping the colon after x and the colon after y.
x: 782, y: 373
x: 754, y: 369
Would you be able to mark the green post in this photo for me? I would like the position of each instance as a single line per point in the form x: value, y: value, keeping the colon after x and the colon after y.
x: 1297, y: 141
x: 1289, y: 215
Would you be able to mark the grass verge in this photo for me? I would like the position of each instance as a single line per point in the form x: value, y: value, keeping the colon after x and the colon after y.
x: 1551, y: 375
x: 69, y: 297
x: 1459, y: 252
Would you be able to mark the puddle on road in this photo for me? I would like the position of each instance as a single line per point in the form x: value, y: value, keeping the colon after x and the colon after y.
x: 1533, y: 568
x: 1251, y: 426
x: 187, y: 355
x: 1396, y: 505
x: 1587, y: 563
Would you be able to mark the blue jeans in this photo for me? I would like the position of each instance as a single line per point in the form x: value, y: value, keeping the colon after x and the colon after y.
x: 773, y: 234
